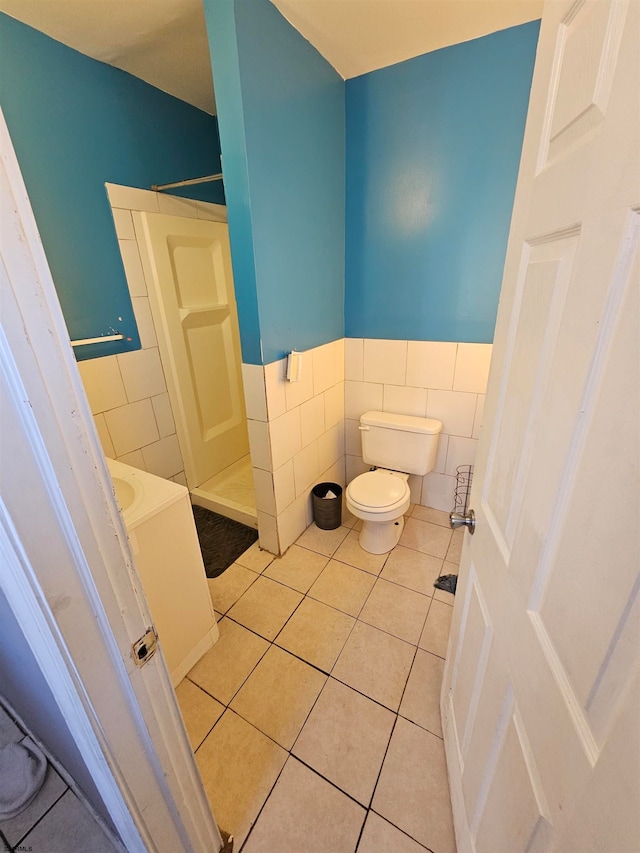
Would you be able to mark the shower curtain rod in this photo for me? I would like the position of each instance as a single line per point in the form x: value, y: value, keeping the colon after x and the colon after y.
x: 159, y: 187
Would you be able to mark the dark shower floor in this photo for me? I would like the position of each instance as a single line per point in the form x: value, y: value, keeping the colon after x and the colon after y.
x: 222, y: 540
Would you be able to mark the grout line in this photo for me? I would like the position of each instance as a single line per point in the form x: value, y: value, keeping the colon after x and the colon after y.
x: 42, y: 816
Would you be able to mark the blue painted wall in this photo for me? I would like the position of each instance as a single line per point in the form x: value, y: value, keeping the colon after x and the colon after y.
x: 282, y: 125
x: 76, y: 124
x: 433, y: 149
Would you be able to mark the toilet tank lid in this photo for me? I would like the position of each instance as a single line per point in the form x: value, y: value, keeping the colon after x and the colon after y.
x: 408, y: 423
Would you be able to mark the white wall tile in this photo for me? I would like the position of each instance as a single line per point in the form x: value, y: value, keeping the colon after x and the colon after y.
x: 142, y: 374
x: 132, y: 426
x: 103, y: 383
x: 362, y: 397
x: 385, y: 361
x: 284, y: 433
x: 472, y: 367
x: 339, y: 357
x: 312, y: 419
x: 431, y: 364
x: 123, y: 223
x: 415, y: 486
x: 284, y: 486
x: 259, y: 444
x: 402, y: 400
x: 131, y: 198
x: 462, y: 451
x: 353, y: 437
x: 354, y: 359
x: 354, y: 467
x: 334, y: 474
x: 297, y: 393
x: 331, y: 446
x: 334, y: 406
x: 135, y: 459
x: 105, y: 438
x: 255, y: 399
x: 164, y: 415
x: 441, y: 454
x: 305, y: 468
x: 268, y: 533
x: 180, y: 478
x: 133, y: 267
x: 212, y: 212
x: 144, y: 321
x: 163, y: 458
x: 456, y: 410
x: 438, y: 491
x: 478, y: 420
x: 177, y: 206
x: 274, y: 374
x: 292, y: 522
x: 263, y: 485
x: 327, y: 370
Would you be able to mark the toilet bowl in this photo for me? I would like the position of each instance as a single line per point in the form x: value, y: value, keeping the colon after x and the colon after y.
x: 397, y: 445
x: 380, y: 498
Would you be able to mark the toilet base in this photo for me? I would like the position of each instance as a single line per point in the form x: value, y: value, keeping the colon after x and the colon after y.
x: 379, y: 537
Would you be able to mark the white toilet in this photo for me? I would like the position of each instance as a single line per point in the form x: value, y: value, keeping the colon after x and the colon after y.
x: 404, y: 445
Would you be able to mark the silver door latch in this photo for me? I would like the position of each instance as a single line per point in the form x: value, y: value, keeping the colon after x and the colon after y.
x: 467, y: 520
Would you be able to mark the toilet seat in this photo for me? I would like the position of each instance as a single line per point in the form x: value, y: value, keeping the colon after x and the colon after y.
x: 379, y: 494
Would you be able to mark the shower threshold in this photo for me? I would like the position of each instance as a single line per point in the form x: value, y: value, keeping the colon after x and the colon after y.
x: 230, y: 493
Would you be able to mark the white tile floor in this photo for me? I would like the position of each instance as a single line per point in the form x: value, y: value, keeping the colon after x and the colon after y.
x: 56, y: 821
x: 315, y: 718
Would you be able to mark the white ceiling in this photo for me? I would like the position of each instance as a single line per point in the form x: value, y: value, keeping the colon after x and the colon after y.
x: 165, y: 43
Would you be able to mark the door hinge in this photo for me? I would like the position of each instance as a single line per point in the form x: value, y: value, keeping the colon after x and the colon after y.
x: 145, y: 648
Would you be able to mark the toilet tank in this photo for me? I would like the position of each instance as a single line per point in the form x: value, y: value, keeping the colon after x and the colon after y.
x: 399, y: 442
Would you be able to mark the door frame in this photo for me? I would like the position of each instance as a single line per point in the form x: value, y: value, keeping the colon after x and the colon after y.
x: 124, y: 719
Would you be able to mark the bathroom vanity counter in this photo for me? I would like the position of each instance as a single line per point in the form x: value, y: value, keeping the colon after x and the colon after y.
x: 159, y: 520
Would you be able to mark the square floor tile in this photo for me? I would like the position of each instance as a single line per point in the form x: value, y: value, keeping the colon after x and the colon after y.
x: 376, y: 664
x: 306, y: 814
x: 351, y: 553
x: 227, y: 588
x: 265, y: 607
x: 316, y: 633
x: 255, y: 558
x: 435, y: 635
x: 413, y: 789
x: 222, y: 670
x: 68, y: 826
x: 454, y: 551
x: 434, y: 516
x: 343, y: 587
x: 239, y: 766
x: 421, y: 700
x: 426, y: 537
x: 412, y: 569
x: 15, y: 828
x: 378, y: 835
x: 323, y: 541
x: 345, y: 739
x: 298, y: 568
x: 278, y: 695
x: 200, y: 711
x: 396, y: 610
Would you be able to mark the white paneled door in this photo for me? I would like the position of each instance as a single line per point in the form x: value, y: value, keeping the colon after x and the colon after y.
x: 541, y: 695
x: 188, y: 267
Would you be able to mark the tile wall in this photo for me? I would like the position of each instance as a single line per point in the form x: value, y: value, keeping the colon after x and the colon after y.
x: 296, y: 437
x: 431, y: 379
x: 128, y: 392
x: 300, y: 433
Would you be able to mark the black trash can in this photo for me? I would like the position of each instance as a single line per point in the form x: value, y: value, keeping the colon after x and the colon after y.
x: 327, y: 505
